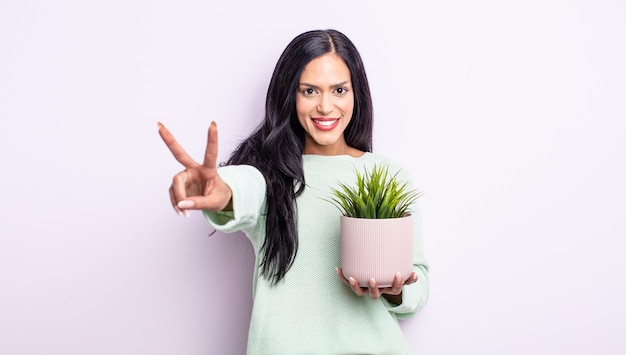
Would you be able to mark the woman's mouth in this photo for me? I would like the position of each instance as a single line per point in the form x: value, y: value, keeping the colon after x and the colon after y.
x: 325, y: 124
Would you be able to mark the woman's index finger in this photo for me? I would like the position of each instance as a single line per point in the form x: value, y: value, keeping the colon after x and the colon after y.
x: 210, y: 155
x: 177, y: 150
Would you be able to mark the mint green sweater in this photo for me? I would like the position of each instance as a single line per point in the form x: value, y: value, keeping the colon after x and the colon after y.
x: 312, y: 311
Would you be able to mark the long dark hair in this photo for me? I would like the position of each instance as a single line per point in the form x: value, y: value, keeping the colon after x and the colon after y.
x: 276, y: 145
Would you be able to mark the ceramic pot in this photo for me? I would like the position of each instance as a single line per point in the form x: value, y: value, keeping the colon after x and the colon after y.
x: 377, y: 248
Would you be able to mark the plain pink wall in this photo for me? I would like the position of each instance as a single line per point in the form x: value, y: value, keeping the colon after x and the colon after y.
x: 510, y: 116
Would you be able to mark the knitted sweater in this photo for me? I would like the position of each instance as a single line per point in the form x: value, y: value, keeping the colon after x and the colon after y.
x: 311, y: 311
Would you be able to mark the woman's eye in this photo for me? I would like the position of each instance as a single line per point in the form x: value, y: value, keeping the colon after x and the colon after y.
x: 341, y: 91
x: 308, y: 92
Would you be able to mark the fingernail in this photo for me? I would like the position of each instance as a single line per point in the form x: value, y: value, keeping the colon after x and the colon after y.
x: 398, y: 276
x: 160, y: 125
x: 186, y: 212
x: 185, y: 204
x: 352, y: 281
x: 372, y: 282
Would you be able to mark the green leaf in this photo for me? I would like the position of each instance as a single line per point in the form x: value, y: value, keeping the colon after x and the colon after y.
x: 375, y: 193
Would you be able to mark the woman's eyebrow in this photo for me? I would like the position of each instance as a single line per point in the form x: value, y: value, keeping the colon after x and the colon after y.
x: 343, y: 83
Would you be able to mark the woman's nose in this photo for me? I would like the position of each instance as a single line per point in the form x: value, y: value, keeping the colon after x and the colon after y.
x: 325, y: 105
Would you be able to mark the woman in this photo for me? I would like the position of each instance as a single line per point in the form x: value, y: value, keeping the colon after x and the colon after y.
x: 317, y: 129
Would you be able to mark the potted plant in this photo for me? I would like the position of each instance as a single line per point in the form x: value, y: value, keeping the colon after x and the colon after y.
x: 376, y: 226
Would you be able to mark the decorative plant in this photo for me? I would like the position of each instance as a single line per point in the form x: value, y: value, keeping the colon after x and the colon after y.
x: 377, y: 194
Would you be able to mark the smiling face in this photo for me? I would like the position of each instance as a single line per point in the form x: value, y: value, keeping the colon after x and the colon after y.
x: 324, y: 104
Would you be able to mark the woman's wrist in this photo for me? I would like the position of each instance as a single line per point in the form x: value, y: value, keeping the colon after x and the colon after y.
x: 393, y: 299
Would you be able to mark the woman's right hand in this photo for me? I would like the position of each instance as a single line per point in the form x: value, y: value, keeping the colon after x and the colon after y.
x: 198, y: 186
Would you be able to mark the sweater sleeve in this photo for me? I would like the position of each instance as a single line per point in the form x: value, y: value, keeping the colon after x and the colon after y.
x: 248, y: 187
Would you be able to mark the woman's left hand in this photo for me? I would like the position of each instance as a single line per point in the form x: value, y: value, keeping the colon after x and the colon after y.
x: 373, y: 290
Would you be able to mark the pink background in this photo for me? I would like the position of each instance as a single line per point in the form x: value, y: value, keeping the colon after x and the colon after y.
x: 511, y: 117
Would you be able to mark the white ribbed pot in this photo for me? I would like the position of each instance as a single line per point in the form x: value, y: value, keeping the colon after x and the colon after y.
x: 376, y: 248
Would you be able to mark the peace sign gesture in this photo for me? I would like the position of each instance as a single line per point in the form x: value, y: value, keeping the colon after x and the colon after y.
x: 198, y: 187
